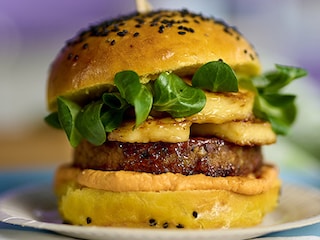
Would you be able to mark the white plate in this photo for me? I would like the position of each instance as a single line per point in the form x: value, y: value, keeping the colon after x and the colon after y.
x: 35, y: 207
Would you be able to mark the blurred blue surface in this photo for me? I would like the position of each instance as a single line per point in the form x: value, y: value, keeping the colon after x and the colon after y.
x: 15, y: 178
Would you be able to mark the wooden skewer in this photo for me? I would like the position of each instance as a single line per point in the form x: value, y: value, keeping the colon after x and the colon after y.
x: 143, y: 6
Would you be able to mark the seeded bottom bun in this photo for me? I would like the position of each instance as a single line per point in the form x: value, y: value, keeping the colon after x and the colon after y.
x: 217, y: 205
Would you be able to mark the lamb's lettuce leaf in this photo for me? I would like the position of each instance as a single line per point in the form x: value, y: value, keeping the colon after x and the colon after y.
x: 215, y: 76
x: 67, y: 113
x: 135, y: 93
x: 89, y: 124
x: 270, y: 103
x: 174, y: 96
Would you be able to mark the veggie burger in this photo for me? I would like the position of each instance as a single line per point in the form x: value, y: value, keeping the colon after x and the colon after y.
x: 167, y: 112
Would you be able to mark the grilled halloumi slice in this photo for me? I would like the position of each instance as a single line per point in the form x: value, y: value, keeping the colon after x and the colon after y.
x: 240, y: 132
x: 153, y: 130
x: 225, y: 107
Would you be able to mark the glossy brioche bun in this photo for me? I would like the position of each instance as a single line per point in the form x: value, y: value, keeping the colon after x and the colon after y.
x: 225, y: 205
x: 148, y: 44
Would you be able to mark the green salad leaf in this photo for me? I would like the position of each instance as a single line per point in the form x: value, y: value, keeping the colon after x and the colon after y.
x: 215, y: 76
x: 112, y: 117
x: 278, y: 109
x: 115, y: 101
x: 270, y: 103
x: 171, y: 94
x: 89, y: 124
x: 135, y: 93
x: 67, y: 113
x: 53, y: 120
x: 273, y: 81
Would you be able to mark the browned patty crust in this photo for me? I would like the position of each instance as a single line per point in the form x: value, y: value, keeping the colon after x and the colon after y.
x: 210, y: 156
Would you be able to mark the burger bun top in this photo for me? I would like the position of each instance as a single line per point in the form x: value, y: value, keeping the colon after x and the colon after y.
x: 151, y: 43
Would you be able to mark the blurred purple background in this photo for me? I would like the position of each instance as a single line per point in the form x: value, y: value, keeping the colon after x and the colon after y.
x: 32, y: 32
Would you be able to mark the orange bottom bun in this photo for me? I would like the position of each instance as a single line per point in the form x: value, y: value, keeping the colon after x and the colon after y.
x: 231, y: 205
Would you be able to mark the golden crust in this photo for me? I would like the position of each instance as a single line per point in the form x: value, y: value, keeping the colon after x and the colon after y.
x: 126, y: 181
x: 148, y: 44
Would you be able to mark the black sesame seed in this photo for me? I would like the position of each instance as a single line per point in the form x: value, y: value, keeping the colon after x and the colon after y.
x: 179, y: 226
x: 122, y: 33
x: 70, y: 55
x: 94, y: 31
x: 186, y: 29
x: 184, y: 12
x: 161, y: 29
x: 156, y: 19
x: 82, y: 34
x: 227, y: 30
x: 195, y: 214
x: 251, y: 56
x: 136, y: 34
x: 165, y: 225
x: 89, y: 220
x: 76, y: 57
x: 164, y: 21
x: 69, y: 42
x: 181, y: 32
x: 152, y: 222
x: 138, y: 26
x: 196, y: 21
x: 245, y: 51
x: 113, y: 42
x: 85, y: 46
